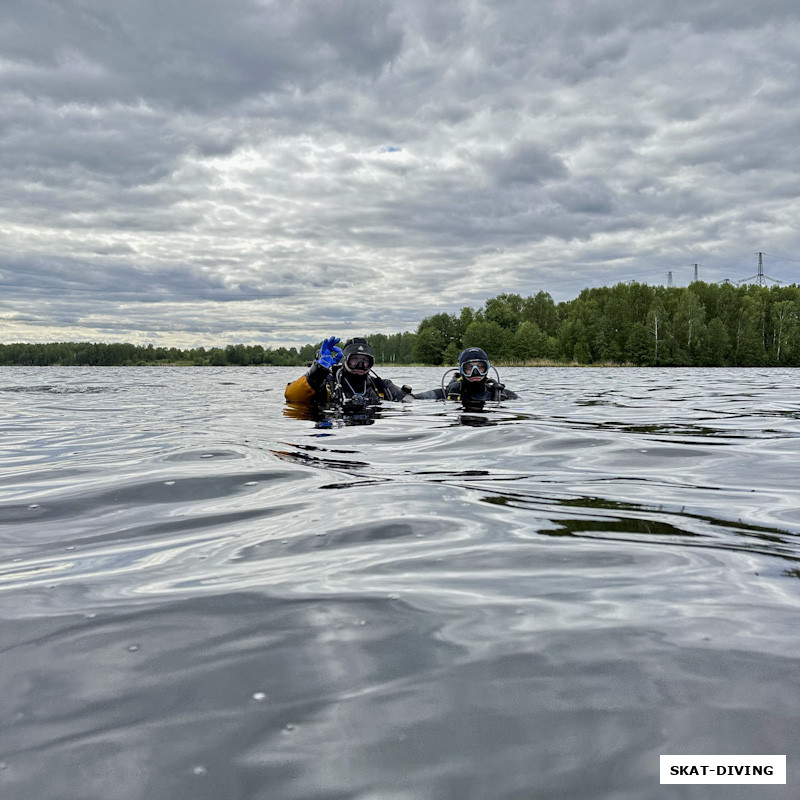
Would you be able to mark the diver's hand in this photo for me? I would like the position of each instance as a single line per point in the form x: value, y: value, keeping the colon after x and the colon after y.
x: 329, y: 353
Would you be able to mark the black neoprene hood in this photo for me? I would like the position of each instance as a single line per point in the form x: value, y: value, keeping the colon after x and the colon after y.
x: 357, y: 345
x: 472, y: 354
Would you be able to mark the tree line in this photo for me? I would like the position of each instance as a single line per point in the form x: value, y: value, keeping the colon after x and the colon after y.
x: 388, y: 349
x: 630, y: 323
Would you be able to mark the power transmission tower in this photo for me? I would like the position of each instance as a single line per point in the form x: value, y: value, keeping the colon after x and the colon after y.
x: 695, y: 272
x: 669, y: 278
x: 760, y: 278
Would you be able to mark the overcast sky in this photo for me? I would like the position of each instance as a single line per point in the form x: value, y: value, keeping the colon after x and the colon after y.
x: 217, y: 171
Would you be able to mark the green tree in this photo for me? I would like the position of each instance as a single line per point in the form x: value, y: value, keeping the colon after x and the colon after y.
x: 581, y: 352
x: 429, y: 346
x: 574, y: 339
x: 639, y: 347
x: 450, y: 355
x: 749, y: 342
x: 446, y: 324
x: 715, y: 345
x: 505, y: 310
x: 489, y: 336
x: 528, y: 342
x: 784, y: 326
x: 728, y: 308
x: 402, y: 347
x: 465, y: 319
x: 308, y: 353
x: 542, y: 310
x: 217, y: 357
x: 689, y: 320
x: 657, y: 326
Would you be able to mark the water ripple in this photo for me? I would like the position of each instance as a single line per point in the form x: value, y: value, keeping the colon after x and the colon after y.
x: 205, y: 597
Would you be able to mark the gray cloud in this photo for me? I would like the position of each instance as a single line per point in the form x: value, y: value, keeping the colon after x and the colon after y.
x: 525, y: 163
x: 222, y: 172
x: 203, y: 54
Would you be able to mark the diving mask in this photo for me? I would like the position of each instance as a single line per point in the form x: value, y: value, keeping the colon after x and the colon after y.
x: 359, y: 363
x: 474, y: 369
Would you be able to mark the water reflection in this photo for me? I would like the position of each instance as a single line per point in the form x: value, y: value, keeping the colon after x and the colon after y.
x: 326, y: 417
x: 531, y: 598
x: 474, y: 421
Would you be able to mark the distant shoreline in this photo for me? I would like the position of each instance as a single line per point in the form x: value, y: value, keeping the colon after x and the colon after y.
x: 630, y: 324
x: 537, y: 363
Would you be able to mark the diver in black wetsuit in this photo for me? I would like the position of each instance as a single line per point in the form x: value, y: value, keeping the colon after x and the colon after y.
x: 471, y: 383
x: 350, y: 385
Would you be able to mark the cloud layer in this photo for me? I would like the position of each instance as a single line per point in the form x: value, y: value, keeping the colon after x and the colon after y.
x: 267, y: 172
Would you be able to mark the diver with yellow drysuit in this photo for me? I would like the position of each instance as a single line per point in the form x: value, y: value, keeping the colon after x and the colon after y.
x: 350, y: 384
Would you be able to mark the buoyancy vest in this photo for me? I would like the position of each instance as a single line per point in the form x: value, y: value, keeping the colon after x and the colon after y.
x: 490, y: 390
x: 340, y: 389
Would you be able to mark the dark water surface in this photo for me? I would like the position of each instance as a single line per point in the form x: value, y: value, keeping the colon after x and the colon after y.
x: 203, y: 597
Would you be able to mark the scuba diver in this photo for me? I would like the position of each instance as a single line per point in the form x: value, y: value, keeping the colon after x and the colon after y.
x: 471, y: 383
x: 350, y: 385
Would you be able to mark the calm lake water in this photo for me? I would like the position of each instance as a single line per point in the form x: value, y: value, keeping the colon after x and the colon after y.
x: 203, y: 597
